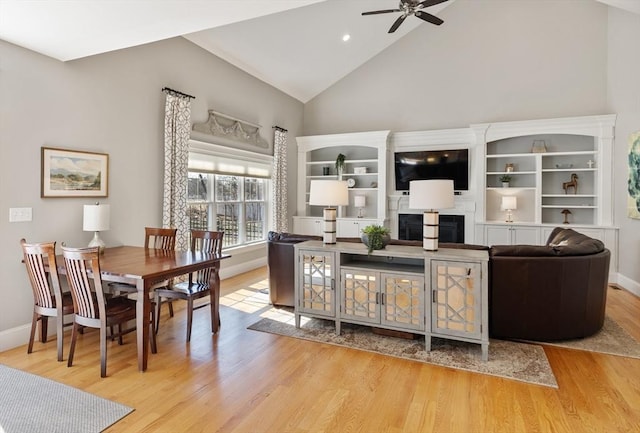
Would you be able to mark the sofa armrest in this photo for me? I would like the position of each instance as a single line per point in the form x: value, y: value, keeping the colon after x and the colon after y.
x: 521, y: 251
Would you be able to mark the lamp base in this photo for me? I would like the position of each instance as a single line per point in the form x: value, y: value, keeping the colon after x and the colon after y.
x: 430, y: 230
x: 97, y: 242
x: 329, y: 232
x: 509, y: 217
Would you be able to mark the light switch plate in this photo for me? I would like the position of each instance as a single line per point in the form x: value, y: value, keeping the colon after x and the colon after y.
x: 20, y: 214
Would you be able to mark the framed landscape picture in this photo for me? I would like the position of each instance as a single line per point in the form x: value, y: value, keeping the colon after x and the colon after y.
x: 73, y: 173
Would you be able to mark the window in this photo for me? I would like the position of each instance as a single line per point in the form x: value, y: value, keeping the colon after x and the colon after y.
x: 234, y: 204
x: 228, y: 191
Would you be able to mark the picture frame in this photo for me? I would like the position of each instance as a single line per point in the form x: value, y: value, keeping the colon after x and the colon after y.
x: 73, y: 173
x: 633, y: 182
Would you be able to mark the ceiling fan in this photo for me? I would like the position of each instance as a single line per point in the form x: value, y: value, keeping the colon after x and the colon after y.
x: 411, y: 7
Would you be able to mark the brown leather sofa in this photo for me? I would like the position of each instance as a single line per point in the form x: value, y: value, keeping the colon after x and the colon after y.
x: 553, y: 292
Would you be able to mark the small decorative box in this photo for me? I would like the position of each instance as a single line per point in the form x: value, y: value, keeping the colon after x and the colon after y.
x: 360, y: 170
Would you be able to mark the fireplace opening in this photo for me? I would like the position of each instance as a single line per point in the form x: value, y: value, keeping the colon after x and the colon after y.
x: 451, y: 228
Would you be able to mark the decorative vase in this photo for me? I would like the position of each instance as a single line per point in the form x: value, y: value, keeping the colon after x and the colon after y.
x: 377, y: 243
x: 505, y: 184
x: 340, y: 162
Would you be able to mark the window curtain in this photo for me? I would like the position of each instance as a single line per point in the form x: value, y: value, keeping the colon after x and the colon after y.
x: 279, y: 180
x: 177, y: 130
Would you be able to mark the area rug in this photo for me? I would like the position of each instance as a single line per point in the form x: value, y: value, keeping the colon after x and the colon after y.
x: 611, y: 339
x: 30, y: 403
x: 517, y: 361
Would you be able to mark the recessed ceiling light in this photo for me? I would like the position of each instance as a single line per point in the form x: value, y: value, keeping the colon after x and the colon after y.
x: 346, y: 37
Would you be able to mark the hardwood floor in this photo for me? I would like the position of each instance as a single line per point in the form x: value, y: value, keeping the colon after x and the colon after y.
x: 247, y: 381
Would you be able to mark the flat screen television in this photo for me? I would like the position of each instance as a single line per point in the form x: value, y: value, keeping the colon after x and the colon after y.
x: 432, y: 164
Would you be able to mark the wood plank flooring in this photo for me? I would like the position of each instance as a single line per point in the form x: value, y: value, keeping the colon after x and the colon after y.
x: 247, y: 381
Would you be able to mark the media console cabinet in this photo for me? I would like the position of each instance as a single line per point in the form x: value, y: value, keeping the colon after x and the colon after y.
x: 405, y: 288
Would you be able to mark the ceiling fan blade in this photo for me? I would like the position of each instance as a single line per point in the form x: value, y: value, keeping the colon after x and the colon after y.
x: 386, y: 11
x: 427, y: 3
x: 428, y: 17
x: 397, y: 23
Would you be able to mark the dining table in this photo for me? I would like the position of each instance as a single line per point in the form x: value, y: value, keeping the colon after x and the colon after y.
x: 144, y: 267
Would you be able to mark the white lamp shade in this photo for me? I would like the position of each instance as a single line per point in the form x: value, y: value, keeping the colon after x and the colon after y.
x: 95, y: 218
x: 359, y: 201
x: 509, y: 202
x: 431, y: 194
x: 328, y: 193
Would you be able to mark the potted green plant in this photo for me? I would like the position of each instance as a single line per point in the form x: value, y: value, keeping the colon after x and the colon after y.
x: 505, y: 179
x: 375, y: 237
x: 340, y: 163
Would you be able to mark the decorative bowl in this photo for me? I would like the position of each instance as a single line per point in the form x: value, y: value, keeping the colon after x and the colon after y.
x: 385, y: 239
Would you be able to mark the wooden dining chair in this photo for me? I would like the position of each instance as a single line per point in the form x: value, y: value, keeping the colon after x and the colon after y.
x: 91, y: 308
x: 159, y: 239
x: 48, y: 298
x: 199, y: 284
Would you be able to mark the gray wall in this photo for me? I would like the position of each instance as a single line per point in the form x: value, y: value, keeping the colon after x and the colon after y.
x: 624, y: 99
x: 489, y: 61
x: 108, y: 103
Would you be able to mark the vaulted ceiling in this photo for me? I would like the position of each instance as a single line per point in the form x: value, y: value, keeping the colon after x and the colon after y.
x: 295, y: 45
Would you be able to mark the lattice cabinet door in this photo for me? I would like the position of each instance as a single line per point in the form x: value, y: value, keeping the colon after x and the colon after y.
x: 403, y: 300
x: 360, y: 296
x: 456, y: 299
x: 316, y: 284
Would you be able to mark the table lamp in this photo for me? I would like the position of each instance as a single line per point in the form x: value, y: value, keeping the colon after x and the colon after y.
x: 329, y: 193
x: 509, y: 203
x: 431, y: 195
x: 96, y: 219
x: 360, y: 201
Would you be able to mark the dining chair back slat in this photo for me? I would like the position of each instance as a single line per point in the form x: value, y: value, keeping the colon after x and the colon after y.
x: 81, y: 264
x: 206, y: 242
x: 43, y: 293
x: 160, y: 238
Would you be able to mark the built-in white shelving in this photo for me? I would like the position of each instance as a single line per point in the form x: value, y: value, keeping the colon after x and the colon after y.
x: 576, y: 148
x: 366, y: 156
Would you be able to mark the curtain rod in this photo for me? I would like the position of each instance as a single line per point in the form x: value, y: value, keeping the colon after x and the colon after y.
x: 279, y: 129
x: 168, y: 89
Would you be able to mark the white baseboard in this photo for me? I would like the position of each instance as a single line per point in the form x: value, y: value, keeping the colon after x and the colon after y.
x: 628, y: 284
x: 231, y: 271
x: 15, y: 337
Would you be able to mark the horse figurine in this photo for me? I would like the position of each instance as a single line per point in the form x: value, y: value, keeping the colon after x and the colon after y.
x: 573, y: 183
